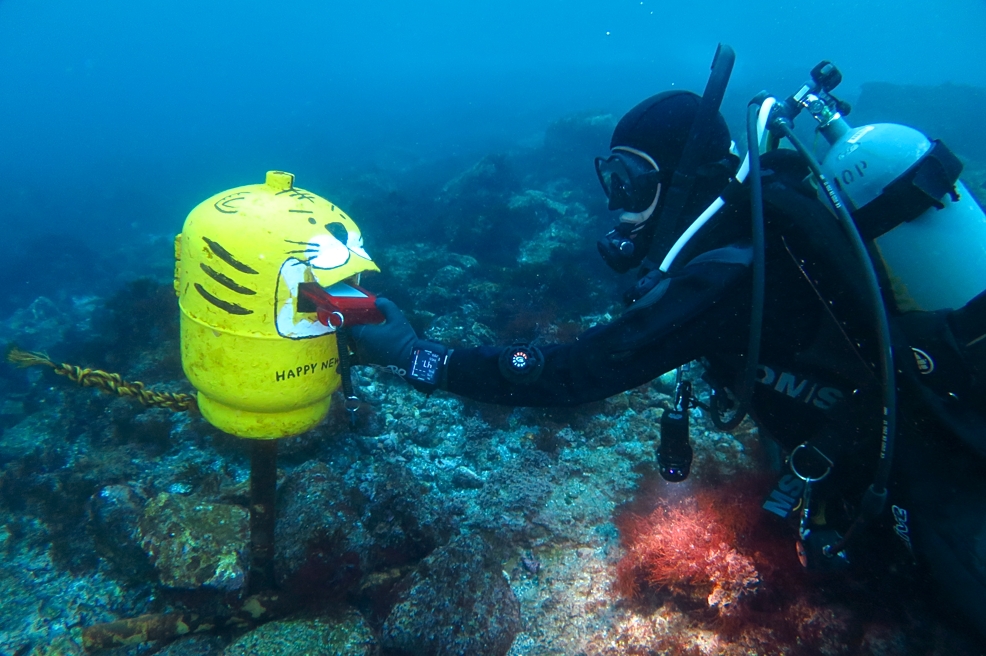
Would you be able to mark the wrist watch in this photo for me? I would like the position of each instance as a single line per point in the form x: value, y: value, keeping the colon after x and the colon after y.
x: 427, y: 369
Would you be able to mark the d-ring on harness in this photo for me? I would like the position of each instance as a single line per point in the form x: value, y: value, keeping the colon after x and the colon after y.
x: 804, y: 525
x: 803, y: 528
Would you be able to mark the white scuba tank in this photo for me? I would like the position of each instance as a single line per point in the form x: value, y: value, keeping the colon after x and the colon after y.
x: 932, y: 242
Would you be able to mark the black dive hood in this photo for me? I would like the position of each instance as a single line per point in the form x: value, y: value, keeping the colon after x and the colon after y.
x: 667, y: 222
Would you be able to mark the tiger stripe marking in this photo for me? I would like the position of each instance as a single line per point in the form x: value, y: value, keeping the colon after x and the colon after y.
x: 226, y: 306
x: 226, y: 281
x: 227, y: 257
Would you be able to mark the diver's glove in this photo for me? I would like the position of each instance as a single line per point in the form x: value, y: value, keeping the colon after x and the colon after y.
x: 395, y: 346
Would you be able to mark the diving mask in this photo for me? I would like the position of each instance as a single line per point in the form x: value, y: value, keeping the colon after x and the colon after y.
x: 629, y: 178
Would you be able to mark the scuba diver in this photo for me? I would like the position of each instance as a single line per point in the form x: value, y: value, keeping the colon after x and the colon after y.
x: 838, y: 301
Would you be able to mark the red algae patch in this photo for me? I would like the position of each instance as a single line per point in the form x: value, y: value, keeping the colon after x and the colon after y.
x: 705, y: 548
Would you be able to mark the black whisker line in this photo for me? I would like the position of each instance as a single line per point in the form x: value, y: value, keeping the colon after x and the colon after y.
x: 304, y: 243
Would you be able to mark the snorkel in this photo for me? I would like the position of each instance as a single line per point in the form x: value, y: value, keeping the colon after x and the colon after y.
x: 685, y: 175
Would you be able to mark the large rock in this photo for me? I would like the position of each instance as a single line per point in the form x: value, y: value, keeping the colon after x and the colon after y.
x: 317, y: 532
x: 38, y: 440
x: 330, y: 535
x: 195, y: 544
x: 115, y: 512
x: 457, y: 602
x: 345, y: 634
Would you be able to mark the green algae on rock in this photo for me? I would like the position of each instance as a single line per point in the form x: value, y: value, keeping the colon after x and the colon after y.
x: 195, y: 544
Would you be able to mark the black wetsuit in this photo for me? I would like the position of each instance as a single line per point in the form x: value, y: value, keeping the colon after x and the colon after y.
x: 816, y: 381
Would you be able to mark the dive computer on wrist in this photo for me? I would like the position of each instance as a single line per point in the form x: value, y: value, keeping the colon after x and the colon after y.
x: 427, y: 368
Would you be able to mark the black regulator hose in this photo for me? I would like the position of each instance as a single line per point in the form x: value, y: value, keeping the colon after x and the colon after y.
x: 757, y: 227
x: 876, y: 495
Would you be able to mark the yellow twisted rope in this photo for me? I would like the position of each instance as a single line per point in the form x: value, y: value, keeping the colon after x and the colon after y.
x: 104, y: 381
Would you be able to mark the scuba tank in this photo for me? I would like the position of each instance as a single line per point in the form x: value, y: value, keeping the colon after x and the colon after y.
x: 903, y: 191
x: 914, y: 226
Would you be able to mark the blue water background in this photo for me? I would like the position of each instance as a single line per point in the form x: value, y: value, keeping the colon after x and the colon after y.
x: 117, y: 117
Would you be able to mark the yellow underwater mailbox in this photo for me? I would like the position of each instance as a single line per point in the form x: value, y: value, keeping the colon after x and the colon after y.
x: 262, y: 368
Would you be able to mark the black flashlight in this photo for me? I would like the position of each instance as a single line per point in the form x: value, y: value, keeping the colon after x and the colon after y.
x: 674, y: 453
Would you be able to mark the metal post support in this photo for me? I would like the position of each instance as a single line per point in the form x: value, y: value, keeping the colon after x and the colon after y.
x: 263, y: 491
